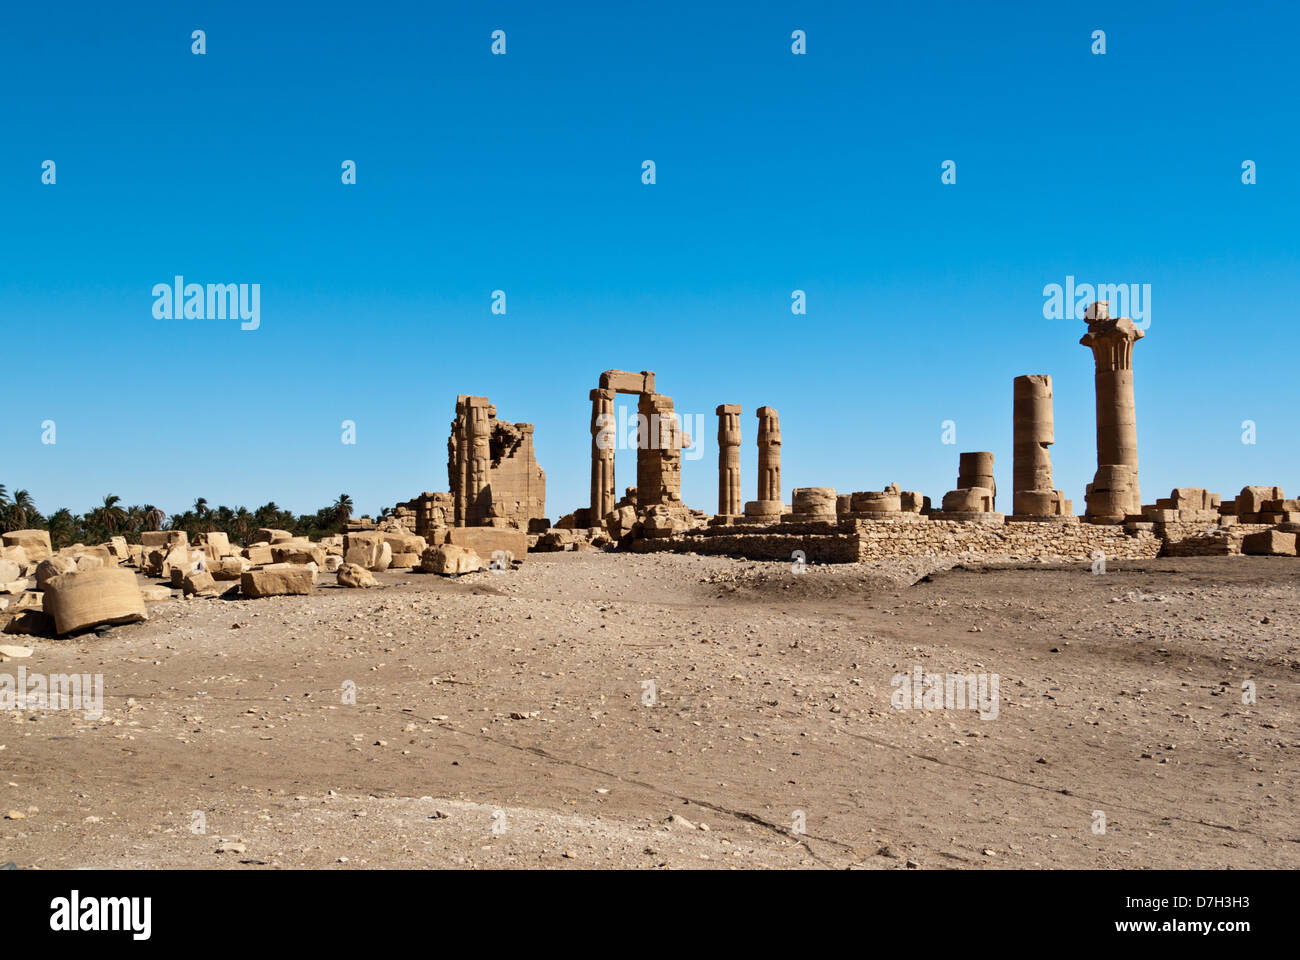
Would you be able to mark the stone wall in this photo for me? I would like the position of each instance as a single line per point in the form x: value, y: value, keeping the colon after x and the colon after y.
x: 867, y: 540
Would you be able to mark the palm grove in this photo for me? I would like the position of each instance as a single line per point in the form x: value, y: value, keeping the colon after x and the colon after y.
x: 111, y: 519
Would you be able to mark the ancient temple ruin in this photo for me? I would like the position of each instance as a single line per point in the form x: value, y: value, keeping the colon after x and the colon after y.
x: 492, y: 472
x: 494, y: 481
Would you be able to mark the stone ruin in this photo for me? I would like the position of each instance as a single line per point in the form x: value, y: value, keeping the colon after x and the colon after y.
x: 494, y: 510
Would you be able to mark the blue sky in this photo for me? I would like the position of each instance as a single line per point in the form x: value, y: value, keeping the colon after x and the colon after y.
x: 522, y: 173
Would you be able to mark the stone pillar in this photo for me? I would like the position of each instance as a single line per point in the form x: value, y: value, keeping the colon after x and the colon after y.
x: 769, y: 454
x: 1033, y: 432
x: 603, y: 443
x: 729, y: 499
x: 1114, y: 492
x: 976, y: 470
x: 456, y: 456
x: 478, y: 436
x: 659, y: 452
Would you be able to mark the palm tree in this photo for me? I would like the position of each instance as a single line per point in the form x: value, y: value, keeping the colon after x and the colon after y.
x: 343, y: 508
x: 20, y: 512
x: 63, y: 528
x: 242, y: 524
x: 153, y: 517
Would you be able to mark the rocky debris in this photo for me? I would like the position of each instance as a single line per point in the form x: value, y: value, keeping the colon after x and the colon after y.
x: 10, y: 652
x: 155, y: 594
x: 449, y: 559
x: 355, y: 575
x: 277, y: 579
x: 91, y: 598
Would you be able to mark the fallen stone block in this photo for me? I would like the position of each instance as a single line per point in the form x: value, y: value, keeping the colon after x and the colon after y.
x: 271, y: 535
x: 155, y: 594
x: 258, y: 553
x: 10, y: 571
x: 79, y: 601
x: 355, y: 575
x: 164, y: 538
x: 278, y: 579
x: 297, y: 552
x: 17, y: 554
x: 35, y: 543
x: 449, y: 559
x: 228, y: 568
x: 486, y: 541
x: 1269, y: 543
x: 15, y: 586
x: 405, y: 560
x: 333, y: 562
x: 216, y: 545
x: 362, y: 547
x: 47, y: 570
x: 200, y: 583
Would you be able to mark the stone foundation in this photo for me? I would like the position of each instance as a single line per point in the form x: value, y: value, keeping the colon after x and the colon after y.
x: 853, y: 540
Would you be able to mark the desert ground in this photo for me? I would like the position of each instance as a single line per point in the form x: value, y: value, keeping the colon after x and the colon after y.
x: 658, y: 711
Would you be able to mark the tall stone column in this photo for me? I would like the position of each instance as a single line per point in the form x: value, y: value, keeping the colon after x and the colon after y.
x: 478, y: 435
x: 769, y: 454
x: 457, y: 454
x: 603, y: 443
x: 1114, y: 491
x: 1033, y: 432
x: 729, y: 499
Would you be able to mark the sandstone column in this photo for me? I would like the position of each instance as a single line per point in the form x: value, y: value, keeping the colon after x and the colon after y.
x: 659, y: 451
x: 769, y: 454
x: 976, y: 470
x: 1114, y: 491
x: 456, y: 456
x: 729, y: 459
x: 1033, y: 432
x: 478, y: 435
x: 603, y: 442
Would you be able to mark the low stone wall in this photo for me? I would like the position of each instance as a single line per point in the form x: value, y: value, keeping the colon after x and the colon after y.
x: 867, y: 540
x: 1205, y: 540
x: 819, y: 542
x: 1011, y: 540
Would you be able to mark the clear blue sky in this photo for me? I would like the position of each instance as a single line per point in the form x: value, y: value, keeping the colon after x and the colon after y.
x: 522, y: 173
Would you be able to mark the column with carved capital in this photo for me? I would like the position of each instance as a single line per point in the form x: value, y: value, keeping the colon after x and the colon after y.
x: 729, y: 500
x: 1114, y: 491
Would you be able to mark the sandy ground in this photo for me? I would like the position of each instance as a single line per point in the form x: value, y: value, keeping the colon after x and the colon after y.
x: 501, y: 720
